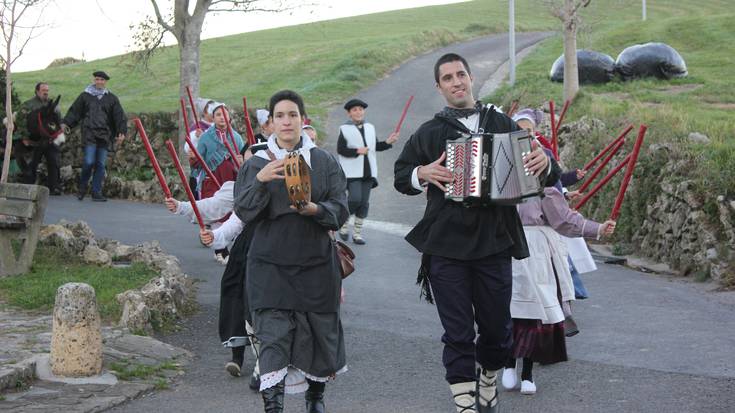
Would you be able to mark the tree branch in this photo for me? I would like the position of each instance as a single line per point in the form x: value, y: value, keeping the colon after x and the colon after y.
x: 581, y: 3
x: 160, y: 19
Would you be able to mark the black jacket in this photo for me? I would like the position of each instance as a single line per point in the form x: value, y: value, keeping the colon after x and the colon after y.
x: 101, y: 119
x: 448, y: 228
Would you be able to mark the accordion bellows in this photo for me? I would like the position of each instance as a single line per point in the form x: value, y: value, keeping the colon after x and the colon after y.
x: 488, y: 169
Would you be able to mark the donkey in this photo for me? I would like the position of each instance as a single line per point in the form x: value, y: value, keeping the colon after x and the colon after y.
x: 44, y: 123
x: 46, y: 135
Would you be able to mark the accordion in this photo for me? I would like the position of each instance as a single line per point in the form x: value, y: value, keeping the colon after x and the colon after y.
x: 487, y: 168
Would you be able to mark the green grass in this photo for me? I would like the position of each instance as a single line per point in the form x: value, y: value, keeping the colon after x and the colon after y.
x: 125, y: 370
x: 52, y: 268
x: 703, y: 102
x: 325, y: 61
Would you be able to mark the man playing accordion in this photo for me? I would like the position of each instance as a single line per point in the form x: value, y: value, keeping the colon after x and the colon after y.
x: 467, y: 248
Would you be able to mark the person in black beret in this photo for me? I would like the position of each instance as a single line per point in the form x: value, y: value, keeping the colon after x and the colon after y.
x: 104, y: 125
x: 356, y: 146
x: 101, y: 74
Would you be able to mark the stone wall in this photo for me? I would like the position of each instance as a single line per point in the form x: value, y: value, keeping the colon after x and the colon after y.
x: 669, y: 214
x: 129, y: 171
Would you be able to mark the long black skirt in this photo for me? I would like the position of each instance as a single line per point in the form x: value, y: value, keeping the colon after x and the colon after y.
x: 311, y: 344
x: 233, y: 302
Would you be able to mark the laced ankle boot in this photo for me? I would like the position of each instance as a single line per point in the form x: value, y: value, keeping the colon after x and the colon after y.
x: 464, y: 396
x: 344, y: 232
x: 357, y: 232
x: 273, y: 398
x: 315, y: 397
x: 487, y: 392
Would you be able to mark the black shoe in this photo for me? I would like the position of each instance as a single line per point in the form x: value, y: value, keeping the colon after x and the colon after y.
x: 98, y: 197
x: 82, y: 192
x: 570, y: 327
x: 254, y: 382
x: 315, y: 397
x: 315, y: 404
x: 273, y: 398
x: 55, y: 192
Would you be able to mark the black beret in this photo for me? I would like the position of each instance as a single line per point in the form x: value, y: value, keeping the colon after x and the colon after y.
x: 355, y: 102
x: 101, y: 74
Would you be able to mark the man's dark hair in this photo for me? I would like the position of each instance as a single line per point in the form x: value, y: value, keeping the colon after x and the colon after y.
x: 287, y: 95
x: 38, y: 85
x: 448, y: 58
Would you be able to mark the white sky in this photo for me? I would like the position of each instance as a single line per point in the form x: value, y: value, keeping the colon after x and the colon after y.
x: 94, y: 29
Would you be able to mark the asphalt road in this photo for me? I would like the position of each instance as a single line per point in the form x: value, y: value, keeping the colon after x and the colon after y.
x: 647, y: 343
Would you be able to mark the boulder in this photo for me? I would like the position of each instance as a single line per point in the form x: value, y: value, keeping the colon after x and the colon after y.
x: 58, y: 236
x: 136, y: 315
x: 697, y: 137
x: 95, y: 255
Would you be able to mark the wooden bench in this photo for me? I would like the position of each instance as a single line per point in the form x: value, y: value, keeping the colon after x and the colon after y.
x: 22, y: 208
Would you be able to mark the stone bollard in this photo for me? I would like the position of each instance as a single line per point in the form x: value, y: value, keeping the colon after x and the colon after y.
x: 76, y: 342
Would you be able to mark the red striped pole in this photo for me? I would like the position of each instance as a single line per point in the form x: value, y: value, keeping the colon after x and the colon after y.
x: 588, y: 180
x: 607, y: 148
x: 554, y: 142
x: 193, y: 108
x: 232, y: 138
x: 403, y: 115
x: 628, y: 173
x: 602, y: 183
x: 152, y: 157
x: 184, y: 183
x: 561, y: 117
x: 248, y: 126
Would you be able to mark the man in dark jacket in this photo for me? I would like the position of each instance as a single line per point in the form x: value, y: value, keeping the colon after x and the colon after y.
x: 41, y: 148
x: 103, y: 125
x: 467, y: 250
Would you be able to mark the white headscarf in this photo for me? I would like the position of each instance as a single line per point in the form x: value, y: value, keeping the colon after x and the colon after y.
x: 262, y: 116
x: 279, y: 153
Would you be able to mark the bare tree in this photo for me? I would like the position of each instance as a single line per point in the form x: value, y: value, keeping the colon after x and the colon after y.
x: 12, y: 14
x: 568, y: 12
x: 186, y: 27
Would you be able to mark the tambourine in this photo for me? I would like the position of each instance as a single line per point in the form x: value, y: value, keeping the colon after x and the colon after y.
x: 298, y: 179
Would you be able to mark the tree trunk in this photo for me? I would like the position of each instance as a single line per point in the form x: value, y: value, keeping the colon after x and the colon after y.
x: 189, y: 43
x: 10, y: 124
x: 571, y: 72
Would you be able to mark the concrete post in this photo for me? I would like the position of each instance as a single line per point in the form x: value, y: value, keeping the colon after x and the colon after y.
x: 76, y: 341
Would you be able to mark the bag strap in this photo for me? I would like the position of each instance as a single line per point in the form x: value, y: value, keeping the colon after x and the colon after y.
x: 270, y: 154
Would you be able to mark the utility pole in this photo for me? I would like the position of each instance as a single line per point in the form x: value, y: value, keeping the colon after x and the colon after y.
x: 644, y: 10
x: 512, y: 37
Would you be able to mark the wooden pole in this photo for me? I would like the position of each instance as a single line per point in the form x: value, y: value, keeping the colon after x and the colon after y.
x: 602, y: 183
x: 589, y: 179
x: 607, y: 148
x: 152, y: 157
x: 184, y: 182
x: 248, y: 126
x: 628, y: 172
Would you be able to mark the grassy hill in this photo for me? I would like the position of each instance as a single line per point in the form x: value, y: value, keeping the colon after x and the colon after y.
x: 703, y: 102
x: 326, y: 61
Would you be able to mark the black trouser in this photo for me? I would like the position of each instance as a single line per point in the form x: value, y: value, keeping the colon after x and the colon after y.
x: 358, y: 196
x: 52, y: 154
x: 469, y: 292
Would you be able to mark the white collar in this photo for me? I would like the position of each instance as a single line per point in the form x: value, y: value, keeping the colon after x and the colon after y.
x: 280, y: 153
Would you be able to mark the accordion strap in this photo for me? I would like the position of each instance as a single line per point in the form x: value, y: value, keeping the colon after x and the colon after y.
x: 484, y: 117
x: 270, y: 154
